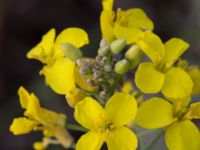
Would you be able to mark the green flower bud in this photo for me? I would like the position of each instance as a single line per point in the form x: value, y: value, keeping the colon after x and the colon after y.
x: 133, y: 55
x: 122, y: 66
x: 117, y: 46
x: 103, y: 51
x: 103, y: 42
x: 85, y: 70
x: 70, y: 51
x: 108, y: 68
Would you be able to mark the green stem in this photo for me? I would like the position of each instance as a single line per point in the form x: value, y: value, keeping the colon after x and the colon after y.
x: 140, y: 138
x: 152, y: 143
x: 113, y: 86
x: 101, y: 101
x: 141, y: 134
x: 73, y: 146
x: 95, y: 94
x: 75, y: 127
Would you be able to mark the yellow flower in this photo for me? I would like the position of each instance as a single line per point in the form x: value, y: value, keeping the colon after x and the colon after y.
x: 60, y: 65
x: 37, y: 118
x: 160, y: 74
x: 181, y: 133
x: 74, y: 96
x: 194, y: 73
x: 128, y: 24
x: 128, y: 88
x: 107, y: 125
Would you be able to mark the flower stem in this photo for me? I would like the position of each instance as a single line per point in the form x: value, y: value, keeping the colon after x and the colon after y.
x: 152, y: 143
x: 144, y: 133
x: 140, y: 138
x: 75, y: 127
x: 113, y: 86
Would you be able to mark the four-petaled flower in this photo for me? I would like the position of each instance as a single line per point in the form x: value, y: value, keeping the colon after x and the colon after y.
x: 181, y: 132
x: 37, y: 118
x: 129, y: 24
x: 160, y: 74
x: 107, y: 125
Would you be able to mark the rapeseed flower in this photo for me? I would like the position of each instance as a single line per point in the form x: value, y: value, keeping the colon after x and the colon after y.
x: 59, y: 63
x: 194, y: 74
x: 107, y: 125
x: 160, y: 74
x: 37, y: 118
x: 181, y: 132
x: 129, y: 24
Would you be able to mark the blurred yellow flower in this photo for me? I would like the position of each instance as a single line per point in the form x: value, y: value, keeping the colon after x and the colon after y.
x: 181, y: 132
x: 59, y: 68
x: 194, y: 73
x: 107, y: 125
x: 160, y: 74
x: 128, y: 24
x: 128, y: 88
x: 37, y: 118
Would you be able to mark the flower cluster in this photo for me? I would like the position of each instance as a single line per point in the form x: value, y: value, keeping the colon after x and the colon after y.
x: 136, y: 80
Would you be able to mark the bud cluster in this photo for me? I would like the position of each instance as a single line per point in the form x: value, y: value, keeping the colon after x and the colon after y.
x: 110, y: 62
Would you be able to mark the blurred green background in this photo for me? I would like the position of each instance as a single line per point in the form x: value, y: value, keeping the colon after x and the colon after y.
x: 22, y: 23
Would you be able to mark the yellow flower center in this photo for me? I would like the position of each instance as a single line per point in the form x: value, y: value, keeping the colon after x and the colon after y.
x: 105, y: 125
x: 180, y: 115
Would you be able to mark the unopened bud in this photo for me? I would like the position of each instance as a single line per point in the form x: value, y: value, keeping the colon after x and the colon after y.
x: 82, y: 62
x: 70, y: 51
x: 108, y: 68
x: 97, y: 74
x: 103, y: 43
x: 103, y: 51
x: 117, y: 46
x: 122, y: 66
x: 85, y: 70
x: 90, y: 82
x: 133, y: 55
x: 102, y: 94
x: 40, y: 145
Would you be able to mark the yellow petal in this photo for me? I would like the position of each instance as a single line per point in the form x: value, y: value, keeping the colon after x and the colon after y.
x: 131, y: 34
x: 107, y: 4
x: 42, y: 115
x: 33, y: 108
x: 137, y: 18
x: 177, y: 85
x: 181, y: 104
x: 152, y: 46
x: 22, y: 126
x: 183, y: 135
x: 194, y: 111
x: 44, y: 49
x: 106, y: 22
x: 90, y: 141
x: 121, y: 139
x: 155, y: 113
x: 24, y: 97
x: 60, y: 76
x: 75, y: 36
x: 121, y: 108
x: 50, y: 118
x: 74, y: 96
x: 174, y: 48
x: 127, y: 87
x: 39, y: 146
x: 148, y: 79
x: 194, y: 73
x: 63, y: 137
x: 88, y: 113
